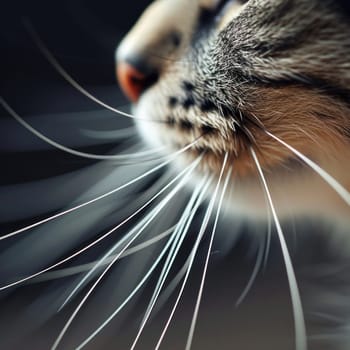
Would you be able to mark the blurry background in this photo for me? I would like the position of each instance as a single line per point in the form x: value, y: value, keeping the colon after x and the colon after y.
x: 83, y: 34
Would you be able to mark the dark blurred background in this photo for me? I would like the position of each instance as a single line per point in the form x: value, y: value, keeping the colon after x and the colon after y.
x: 82, y: 35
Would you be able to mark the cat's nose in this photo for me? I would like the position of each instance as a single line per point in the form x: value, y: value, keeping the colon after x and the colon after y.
x: 134, y: 78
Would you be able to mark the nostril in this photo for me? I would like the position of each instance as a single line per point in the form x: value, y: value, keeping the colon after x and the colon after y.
x: 134, y: 78
x: 130, y: 80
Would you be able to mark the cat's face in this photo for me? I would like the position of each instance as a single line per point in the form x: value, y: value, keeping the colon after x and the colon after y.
x: 228, y: 73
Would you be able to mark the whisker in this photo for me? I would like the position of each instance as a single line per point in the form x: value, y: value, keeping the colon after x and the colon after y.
x: 268, y: 235
x: 80, y: 251
x: 110, y: 134
x: 342, y: 335
x: 269, y: 228
x: 151, y: 171
x: 299, y: 321
x: 60, y: 70
x: 77, y: 269
x: 169, y: 289
x: 328, y: 317
x: 125, y: 158
x: 130, y: 296
x: 185, y: 173
x: 343, y: 193
x: 180, y: 233
x: 253, y: 276
x: 205, y: 269
x: 144, y: 223
x: 189, y: 267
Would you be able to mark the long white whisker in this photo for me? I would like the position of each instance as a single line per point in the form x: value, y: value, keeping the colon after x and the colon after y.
x: 71, y: 271
x: 130, y: 296
x: 135, y: 290
x: 341, y: 190
x: 145, y: 222
x: 253, y: 276
x: 125, y: 158
x: 185, y: 172
x: 169, y: 289
x: 299, y: 321
x: 189, y: 267
x: 80, y: 251
x: 54, y: 63
x: 205, y: 269
x: 268, y: 236
x: 180, y: 233
x: 269, y: 228
x: 55, y: 216
x: 182, y: 288
x: 110, y: 134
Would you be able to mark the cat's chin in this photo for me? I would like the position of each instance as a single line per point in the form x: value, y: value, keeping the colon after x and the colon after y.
x: 296, y: 190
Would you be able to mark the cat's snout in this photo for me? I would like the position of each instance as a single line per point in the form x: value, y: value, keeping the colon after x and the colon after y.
x: 154, y: 43
x: 134, y: 77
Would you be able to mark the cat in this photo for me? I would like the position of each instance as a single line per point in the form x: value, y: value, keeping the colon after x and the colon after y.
x: 259, y: 85
x: 250, y: 100
x: 234, y: 69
